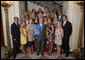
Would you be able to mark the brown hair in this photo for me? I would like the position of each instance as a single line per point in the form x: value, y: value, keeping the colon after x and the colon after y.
x: 15, y: 17
x: 30, y: 20
x: 26, y: 16
x: 65, y: 17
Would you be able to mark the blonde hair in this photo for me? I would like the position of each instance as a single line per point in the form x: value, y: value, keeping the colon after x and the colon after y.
x: 58, y: 22
x: 30, y: 20
x: 22, y: 22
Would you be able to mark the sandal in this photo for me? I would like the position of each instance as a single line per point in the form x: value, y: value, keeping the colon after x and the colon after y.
x: 57, y: 55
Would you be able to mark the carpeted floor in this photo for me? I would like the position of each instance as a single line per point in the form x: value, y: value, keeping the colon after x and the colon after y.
x: 34, y: 56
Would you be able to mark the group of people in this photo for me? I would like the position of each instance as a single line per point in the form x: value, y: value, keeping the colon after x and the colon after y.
x: 44, y: 28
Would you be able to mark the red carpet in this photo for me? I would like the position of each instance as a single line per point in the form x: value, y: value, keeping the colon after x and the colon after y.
x: 45, y: 49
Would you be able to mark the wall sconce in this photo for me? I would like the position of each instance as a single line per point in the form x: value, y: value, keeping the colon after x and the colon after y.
x: 6, y: 4
x: 80, y: 3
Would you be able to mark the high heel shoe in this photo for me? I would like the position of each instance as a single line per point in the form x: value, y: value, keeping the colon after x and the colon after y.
x: 57, y: 55
x: 50, y: 54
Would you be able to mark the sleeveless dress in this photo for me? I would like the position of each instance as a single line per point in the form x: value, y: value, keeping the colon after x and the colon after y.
x: 31, y: 30
x: 58, y: 38
x: 51, y: 38
x: 23, y: 39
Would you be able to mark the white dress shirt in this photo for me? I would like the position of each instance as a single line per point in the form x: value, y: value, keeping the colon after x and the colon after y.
x: 41, y: 25
x: 16, y: 23
x: 59, y: 17
x: 64, y: 23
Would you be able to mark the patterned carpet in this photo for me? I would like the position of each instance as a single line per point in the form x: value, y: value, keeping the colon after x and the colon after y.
x: 46, y: 56
x: 34, y: 56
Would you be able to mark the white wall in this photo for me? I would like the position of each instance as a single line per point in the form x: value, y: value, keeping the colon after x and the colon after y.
x: 73, y: 12
x: 32, y: 5
x: 12, y: 12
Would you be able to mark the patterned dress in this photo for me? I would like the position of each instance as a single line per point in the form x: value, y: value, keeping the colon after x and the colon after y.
x: 58, y: 38
x: 55, y: 26
x: 51, y: 38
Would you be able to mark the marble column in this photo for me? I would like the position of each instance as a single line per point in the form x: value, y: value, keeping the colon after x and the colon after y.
x: 21, y: 9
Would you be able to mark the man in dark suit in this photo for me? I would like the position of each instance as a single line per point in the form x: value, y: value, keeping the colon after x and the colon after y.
x: 67, y: 27
x: 60, y: 16
x: 41, y: 37
x: 15, y: 36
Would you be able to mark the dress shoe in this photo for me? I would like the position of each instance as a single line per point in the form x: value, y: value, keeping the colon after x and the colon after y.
x: 37, y: 53
x: 42, y: 54
x: 66, y: 55
x: 62, y: 52
x: 20, y: 52
x: 14, y: 57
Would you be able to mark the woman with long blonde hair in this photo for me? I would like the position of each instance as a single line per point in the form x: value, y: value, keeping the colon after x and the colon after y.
x: 58, y: 38
x: 30, y: 30
x: 23, y: 36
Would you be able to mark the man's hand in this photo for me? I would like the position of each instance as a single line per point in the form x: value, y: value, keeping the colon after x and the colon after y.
x: 14, y: 39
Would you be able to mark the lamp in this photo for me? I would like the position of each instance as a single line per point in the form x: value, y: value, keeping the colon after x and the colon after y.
x: 78, y: 52
x: 6, y: 5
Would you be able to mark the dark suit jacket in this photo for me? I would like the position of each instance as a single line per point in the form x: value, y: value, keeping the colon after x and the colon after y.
x: 15, y: 31
x: 61, y: 18
x: 67, y: 30
x: 43, y: 32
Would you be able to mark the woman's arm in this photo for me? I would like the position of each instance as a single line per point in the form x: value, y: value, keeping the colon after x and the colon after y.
x: 52, y: 31
x: 21, y: 31
x: 55, y: 32
x: 62, y: 33
x: 27, y: 30
x: 47, y: 33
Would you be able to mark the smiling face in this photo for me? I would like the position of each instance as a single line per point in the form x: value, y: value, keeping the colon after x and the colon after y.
x: 16, y: 19
x: 45, y: 10
x: 41, y: 20
x: 31, y: 21
x: 49, y: 21
x: 26, y: 17
x: 23, y: 23
x: 34, y: 10
x: 64, y: 18
x: 55, y: 20
x: 59, y: 13
x: 45, y: 18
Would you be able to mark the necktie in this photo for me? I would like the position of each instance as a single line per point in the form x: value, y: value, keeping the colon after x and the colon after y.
x: 17, y: 24
x: 41, y: 27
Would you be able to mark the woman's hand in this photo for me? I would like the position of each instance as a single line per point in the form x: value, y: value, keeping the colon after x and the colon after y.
x: 32, y: 35
x: 25, y: 36
x: 14, y: 39
x: 35, y: 29
x: 48, y: 37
